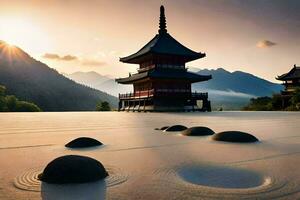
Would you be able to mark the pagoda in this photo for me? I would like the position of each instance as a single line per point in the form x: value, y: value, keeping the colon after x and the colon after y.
x: 291, y: 82
x: 163, y: 82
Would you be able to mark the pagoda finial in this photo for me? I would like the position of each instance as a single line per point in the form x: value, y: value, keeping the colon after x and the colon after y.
x: 162, y: 21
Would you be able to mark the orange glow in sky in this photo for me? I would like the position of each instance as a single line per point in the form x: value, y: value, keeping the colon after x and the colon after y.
x: 259, y: 37
x: 23, y: 33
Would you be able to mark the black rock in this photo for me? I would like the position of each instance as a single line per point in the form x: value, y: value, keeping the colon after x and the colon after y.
x: 235, y: 136
x: 198, y: 131
x: 175, y: 128
x: 83, y: 142
x: 164, y: 128
x: 73, y: 169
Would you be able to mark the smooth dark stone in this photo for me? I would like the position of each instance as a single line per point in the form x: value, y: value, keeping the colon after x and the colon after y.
x: 235, y: 136
x: 175, y: 128
x: 83, y: 142
x: 164, y: 128
x: 73, y: 169
x: 198, y: 131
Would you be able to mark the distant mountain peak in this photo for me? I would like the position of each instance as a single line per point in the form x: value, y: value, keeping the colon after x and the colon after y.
x: 238, y: 81
x: 221, y: 69
x: 11, y: 52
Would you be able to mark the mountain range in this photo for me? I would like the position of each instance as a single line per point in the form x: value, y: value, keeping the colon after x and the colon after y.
x: 100, y: 82
x: 227, y: 90
x: 233, y: 90
x: 32, y: 80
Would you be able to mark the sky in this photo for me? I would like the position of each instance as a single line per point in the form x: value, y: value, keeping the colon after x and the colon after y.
x: 255, y: 36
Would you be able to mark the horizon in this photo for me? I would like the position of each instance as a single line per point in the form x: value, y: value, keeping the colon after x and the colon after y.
x: 266, y: 47
x: 195, y: 70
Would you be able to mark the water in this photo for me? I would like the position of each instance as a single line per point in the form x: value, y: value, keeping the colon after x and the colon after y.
x: 148, y: 164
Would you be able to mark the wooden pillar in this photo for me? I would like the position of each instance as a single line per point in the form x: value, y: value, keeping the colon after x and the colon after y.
x: 120, y: 105
x: 133, y: 106
x: 128, y: 102
x: 139, y: 105
x: 139, y: 101
x: 208, y: 106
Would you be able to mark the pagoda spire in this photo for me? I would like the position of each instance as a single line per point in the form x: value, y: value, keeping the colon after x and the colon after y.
x: 162, y: 21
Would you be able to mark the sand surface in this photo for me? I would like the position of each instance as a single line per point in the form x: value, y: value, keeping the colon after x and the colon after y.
x: 144, y: 163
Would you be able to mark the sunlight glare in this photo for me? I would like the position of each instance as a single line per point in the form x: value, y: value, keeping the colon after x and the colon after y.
x: 23, y: 33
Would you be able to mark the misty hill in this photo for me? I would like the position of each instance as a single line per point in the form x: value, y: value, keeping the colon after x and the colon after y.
x: 227, y: 90
x: 239, y: 82
x: 31, y: 80
x: 233, y: 90
x: 88, y: 78
x: 100, y: 82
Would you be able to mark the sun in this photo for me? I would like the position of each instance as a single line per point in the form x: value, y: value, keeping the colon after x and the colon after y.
x: 23, y: 33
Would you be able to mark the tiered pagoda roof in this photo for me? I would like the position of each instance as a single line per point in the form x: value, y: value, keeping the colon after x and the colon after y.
x: 163, y: 44
x: 292, y: 74
x: 165, y: 74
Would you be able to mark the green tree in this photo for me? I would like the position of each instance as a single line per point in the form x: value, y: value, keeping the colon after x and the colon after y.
x: 2, y: 90
x: 259, y: 104
x: 23, y: 106
x: 2, y: 104
x: 276, y: 102
x: 103, y: 106
x: 2, y: 99
x: 11, y: 103
x: 295, y: 101
x: 296, y: 97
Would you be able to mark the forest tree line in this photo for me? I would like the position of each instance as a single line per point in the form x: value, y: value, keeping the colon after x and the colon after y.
x: 9, y: 103
x: 275, y: 103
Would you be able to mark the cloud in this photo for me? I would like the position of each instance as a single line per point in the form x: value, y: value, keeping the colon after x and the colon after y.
x: 92, y: 63
x: 68, y: 58
x: 265, y: 44
x: 52, y: 56
x: 81, y: 61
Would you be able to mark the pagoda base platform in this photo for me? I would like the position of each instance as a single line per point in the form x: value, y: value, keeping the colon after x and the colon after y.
x: 163, y: 109
x: 166, y: 109
x: 163, y: 102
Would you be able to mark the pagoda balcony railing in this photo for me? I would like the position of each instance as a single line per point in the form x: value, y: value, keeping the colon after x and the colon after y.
x: 137, y: 94
x: 162, y: 92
